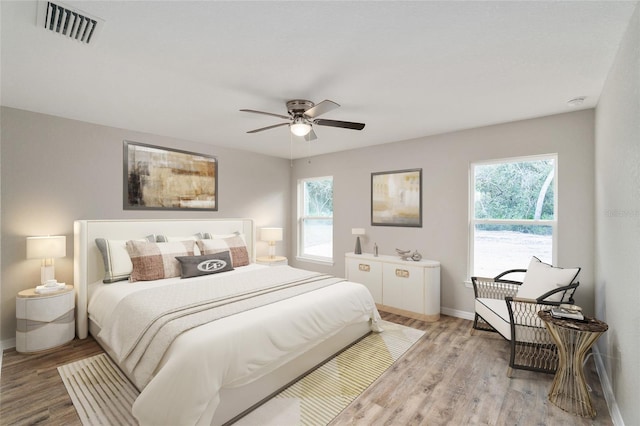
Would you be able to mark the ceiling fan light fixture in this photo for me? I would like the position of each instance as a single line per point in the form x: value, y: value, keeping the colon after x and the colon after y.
x: 299, y: 127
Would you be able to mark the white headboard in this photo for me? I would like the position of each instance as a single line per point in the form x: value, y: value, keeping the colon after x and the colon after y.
x: 88, y: 263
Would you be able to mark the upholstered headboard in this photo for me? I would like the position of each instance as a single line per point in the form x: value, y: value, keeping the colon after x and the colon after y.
x: 88, y: 263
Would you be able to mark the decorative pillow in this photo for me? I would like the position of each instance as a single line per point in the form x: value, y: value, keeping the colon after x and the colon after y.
x: 195, y: 266
x: 541, y: 278
x: 165, y: 239
x: 117, y: 263
x: 234, y: 245
x: 155, y: 261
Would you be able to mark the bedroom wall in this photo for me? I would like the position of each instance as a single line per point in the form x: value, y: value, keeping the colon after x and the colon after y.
x: 445, y: 161
x: 54, y: 171
x: 617, y: 290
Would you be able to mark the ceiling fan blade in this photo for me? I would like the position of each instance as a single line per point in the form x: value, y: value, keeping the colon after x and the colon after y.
x: 322, y: 108
x: 267, y: 128
x: 341, y: 124
x: 286, y: 117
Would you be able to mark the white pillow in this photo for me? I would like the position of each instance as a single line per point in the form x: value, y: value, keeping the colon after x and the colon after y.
x: 541, y: 278
x: 117, y: 263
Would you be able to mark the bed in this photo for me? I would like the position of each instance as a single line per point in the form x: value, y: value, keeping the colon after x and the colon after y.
x: 210, y: 366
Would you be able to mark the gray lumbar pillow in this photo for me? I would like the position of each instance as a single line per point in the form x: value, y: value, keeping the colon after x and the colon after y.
x: 195, y: 266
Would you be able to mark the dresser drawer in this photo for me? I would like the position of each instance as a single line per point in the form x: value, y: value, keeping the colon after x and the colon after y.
x: 366, y: 272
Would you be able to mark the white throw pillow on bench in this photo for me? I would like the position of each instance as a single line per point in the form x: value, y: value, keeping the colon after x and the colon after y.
x: 541, y: 278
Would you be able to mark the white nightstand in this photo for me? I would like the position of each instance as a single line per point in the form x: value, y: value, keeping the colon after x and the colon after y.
x: 44, y: 320
x: 272, y: 261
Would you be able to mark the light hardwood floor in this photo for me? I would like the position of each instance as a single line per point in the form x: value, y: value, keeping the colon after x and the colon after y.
x: 449, y: 377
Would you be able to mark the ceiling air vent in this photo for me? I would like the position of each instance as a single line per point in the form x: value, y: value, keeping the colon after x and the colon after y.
x: 68, y: 22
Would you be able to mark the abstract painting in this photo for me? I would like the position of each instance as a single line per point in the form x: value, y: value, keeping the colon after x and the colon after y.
x: 161, y: 178
x: 396, y: 198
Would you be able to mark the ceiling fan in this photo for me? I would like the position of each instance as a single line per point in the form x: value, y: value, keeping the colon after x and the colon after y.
x: 302, y: 117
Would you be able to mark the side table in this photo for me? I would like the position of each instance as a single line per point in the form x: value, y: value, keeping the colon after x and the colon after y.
x: 574, y: 339
x: 44, y: 320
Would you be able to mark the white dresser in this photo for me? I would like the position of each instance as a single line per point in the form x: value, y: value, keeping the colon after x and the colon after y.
x: 44, y: 320
x: 406, y: 288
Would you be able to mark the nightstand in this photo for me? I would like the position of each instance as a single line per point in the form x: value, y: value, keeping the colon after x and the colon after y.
x: 272, y: 261
x: 45, y: 320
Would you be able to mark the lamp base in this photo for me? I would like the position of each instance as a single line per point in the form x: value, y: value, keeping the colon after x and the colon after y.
x: 46, y: 273
x: 358, y: 249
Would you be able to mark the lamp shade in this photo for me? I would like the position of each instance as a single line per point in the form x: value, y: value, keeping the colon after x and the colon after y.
x: 46, y: 247
x: 271, y: 234
x: 299, y: 127
x: 357, y: 231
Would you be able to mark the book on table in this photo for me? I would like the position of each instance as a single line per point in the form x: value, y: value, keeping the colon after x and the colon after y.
x: 564, y: 313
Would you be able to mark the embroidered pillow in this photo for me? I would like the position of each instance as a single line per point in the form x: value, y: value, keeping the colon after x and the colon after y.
x: 195, y: 266
x: 235, y: 245
x: 155, y: 261
x: 117, y: 263
x: 541, y: 278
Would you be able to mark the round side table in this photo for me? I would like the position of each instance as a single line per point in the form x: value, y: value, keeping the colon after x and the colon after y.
x: 574, y: 339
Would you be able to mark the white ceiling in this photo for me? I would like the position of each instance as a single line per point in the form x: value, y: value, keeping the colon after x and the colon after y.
x: 406, y: 69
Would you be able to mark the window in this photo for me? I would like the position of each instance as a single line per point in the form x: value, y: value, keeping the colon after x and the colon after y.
x: 513, y: 214
x: 315, y: 219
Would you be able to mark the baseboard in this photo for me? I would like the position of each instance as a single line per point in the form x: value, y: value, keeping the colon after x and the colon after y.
x: 614, y: 411
x: 457, y: 313
x: 8, y: 344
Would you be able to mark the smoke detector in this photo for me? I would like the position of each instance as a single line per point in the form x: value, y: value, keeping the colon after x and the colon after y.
x: 68, y: 21
x: 576, y: 101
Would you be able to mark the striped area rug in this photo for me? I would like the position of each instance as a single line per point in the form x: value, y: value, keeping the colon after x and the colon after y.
x: 102, y: 395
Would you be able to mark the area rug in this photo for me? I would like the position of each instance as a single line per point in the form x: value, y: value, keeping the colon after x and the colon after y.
x: 102, y: 395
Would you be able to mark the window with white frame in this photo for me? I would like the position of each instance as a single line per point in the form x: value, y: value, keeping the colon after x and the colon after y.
x: 315, y: 219
x: 513, y: 213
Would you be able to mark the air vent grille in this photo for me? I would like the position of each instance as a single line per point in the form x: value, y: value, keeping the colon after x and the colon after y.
x: 68, y: 22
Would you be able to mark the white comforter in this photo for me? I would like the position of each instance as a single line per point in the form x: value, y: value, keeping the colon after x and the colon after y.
x: 236, y: 350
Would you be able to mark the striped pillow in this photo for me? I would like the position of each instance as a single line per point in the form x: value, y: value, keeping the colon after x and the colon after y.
x: 155, y: 261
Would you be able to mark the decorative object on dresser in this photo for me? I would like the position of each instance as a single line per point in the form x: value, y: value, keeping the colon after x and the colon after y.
x: 44, y: 321
x: 158, y: 178
x: 398, y: 286
x: 396, y: 198
x: 357, y: 232
x: 407, y: 255
x: 46, y: 249
x: 271, y: 235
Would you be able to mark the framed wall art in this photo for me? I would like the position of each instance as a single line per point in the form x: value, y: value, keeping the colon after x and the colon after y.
x: 396, y: 198
x: 158, y: 178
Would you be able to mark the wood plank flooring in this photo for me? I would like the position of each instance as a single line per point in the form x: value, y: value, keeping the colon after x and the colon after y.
x: 448, y: 377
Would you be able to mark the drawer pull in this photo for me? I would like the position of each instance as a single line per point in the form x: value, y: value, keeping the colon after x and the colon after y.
x: 402, y: 273
x: 364, y: 267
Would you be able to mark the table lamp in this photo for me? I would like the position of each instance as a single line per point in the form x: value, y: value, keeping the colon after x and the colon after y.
x: 46, y: 249
x: 357, y: 232
x: 271, y: 235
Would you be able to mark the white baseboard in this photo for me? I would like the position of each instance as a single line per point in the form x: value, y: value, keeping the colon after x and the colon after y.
x: 614, y: 411
x: 8, y: 344
x: 457, y: 313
